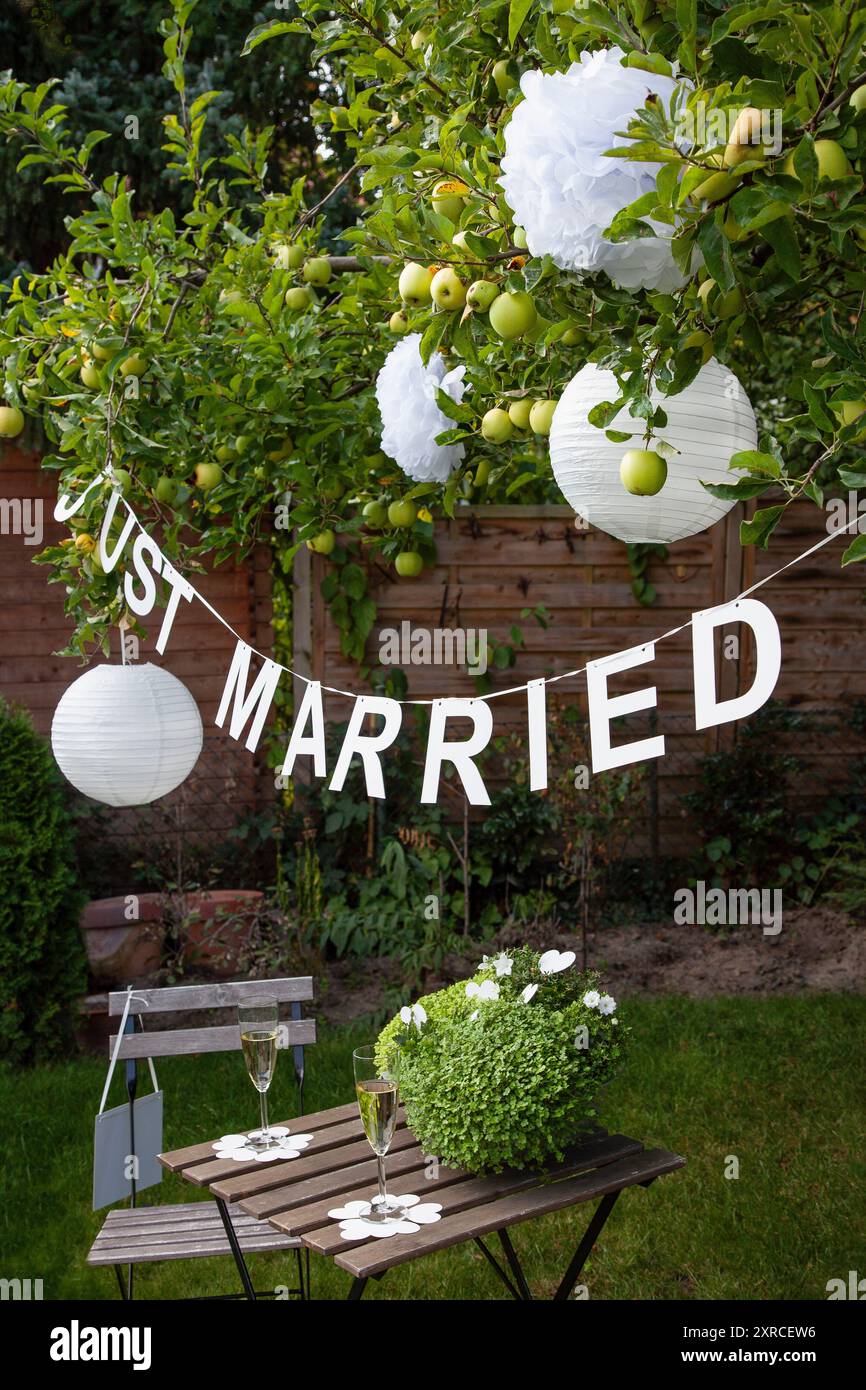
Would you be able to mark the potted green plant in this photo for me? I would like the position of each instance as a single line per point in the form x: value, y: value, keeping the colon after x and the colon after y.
x: 504, y: 1070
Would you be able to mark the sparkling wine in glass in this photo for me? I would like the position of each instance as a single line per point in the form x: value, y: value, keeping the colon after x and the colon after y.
x: 377, y: 1091
x: 259, y: 1025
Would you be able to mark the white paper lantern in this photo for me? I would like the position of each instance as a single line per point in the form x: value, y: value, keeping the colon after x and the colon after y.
x: 126, y: 735
x: 707, y: 422
x: 411, y: 418
x: 562, y: 186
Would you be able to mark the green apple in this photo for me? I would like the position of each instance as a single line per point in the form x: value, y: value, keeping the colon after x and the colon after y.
x: 414, y: 284
x: 242, y: 443
x: 643, y: 472
x: 481, y: 294
x: 398, y: 322
x: 447, y: 289
x: 449, y: 198
x: 134, y: 365
x: 226, y: 454
x: 541, y: 416
x: 519, y: 413
x: 745, y: 138
x: 230, y: 296
x: 207, y: 475
x: 502, y: 76
x: 482, y: 473
x: 102, y: 350
x: 518, y: 238
x: 420, y: 39
x: 165, y: 490
x: 858, y: 99
x: 402, y: 513
x: 459, y: 240
x: 729, y: 303
x: 123, y: 480
x: 375, y: 515
x: 283, y: 451
x: 317, y: 271
x: 512, y: 315
x: 332, y: 489
x: 715, y: 186
x: 90, y: 376
x: 289, y: 256
x: 700, y: 340
x: 572, y: 337
x: 832, y: 161
x: 298, y: 299
x: 408, y: 564
x: 496, y: 426
x: 323, y: 543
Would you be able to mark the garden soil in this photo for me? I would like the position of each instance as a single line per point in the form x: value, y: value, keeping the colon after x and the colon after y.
x: 817, y: 950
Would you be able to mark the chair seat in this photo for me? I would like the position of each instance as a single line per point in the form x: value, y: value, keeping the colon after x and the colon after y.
x: 186, y: 1231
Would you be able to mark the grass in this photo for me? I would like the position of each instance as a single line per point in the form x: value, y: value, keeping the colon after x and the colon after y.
x: 774, y: 1083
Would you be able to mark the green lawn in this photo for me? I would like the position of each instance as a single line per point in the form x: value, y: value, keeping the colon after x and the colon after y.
x: 777, y: 1082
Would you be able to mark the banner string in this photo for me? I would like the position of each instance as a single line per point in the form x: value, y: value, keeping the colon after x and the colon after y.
x: 514, y: 689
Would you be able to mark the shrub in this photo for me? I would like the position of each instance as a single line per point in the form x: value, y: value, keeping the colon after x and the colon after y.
x: 500, y: 1082
x: 42, y: 961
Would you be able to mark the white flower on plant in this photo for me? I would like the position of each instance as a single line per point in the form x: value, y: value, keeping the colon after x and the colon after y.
x: 411, y: 418
x: 416, y: 1013
x: 529, y: 993
x: 606, y: 1004
x: 489, y: 989
x: 553, y: 961
x: 563, y: 188
x: 592, y: 999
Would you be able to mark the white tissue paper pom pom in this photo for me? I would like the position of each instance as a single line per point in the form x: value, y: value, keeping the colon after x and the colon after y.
x: 411, y: 418
x: 562, y: 188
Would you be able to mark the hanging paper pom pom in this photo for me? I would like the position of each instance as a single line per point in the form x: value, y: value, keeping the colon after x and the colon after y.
x: 126, y: 735
x: 707, y: 422
x: 563, y: 189
x: 411, y: 418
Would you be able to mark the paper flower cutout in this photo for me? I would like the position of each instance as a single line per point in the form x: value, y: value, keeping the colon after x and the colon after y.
x: 529, y: 993
x: 238, y: 1148
x: 416, y: 1014
x: 354, y: 1227
x: 563, y: 188
x: 488, y: 990
x: 502, y: 964
x: 553, y: 961
x: 411, y: 419
x: 606, y: 1004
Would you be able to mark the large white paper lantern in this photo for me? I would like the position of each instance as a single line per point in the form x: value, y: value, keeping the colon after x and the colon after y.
x: 561, y: 184
x: 126, y: 735
x: 707, y: 422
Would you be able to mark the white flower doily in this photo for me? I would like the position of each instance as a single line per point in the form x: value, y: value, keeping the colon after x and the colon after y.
x: 238, y: 1147
x: 563, y: 187
x: 354, y: 1227
x: 411, y: 418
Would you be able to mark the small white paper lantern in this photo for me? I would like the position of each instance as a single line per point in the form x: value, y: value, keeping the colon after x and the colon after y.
x: 707, y: 422
x: 126, y: 735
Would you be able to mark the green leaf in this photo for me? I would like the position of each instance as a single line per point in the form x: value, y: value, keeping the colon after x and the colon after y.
x: 856, y: 551
x: 756, y: 462
x: 781, y: 236
x: 760, y: 528
x: 271, y: 30
x: 517, y: 12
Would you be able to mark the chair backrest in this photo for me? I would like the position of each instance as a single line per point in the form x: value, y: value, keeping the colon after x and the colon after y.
x: 172, y: 1042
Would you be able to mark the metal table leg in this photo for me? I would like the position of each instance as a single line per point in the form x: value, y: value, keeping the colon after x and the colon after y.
x: 593, y: 1230
x: 236, y: 1250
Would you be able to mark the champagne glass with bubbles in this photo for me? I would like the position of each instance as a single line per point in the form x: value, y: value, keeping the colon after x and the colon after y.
x: 377, y: 1091
x: 259, y: 1026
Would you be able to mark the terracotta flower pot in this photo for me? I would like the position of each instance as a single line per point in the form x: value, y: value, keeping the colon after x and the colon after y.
x: 123, y: 937
x: 218, y: 926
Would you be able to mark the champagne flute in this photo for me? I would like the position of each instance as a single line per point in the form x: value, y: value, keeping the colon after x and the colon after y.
x: 258, y: 1025
x: 377, y: 1091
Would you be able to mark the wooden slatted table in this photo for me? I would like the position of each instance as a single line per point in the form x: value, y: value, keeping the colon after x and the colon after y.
x: 338, y: 1166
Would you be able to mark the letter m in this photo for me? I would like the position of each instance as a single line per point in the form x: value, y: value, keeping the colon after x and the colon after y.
x: 247, y: 705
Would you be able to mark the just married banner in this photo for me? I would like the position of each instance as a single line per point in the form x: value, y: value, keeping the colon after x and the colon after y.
x: 253, y: 677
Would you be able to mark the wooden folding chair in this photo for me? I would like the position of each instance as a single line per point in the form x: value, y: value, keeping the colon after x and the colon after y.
x: 196, y: 1230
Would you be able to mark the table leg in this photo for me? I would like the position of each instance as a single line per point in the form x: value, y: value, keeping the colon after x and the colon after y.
x: 236, y: 1250
x: 497, y: 1267
x: 357, y: 1290
x: 593, y: 1231
x: 514, y: 1266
